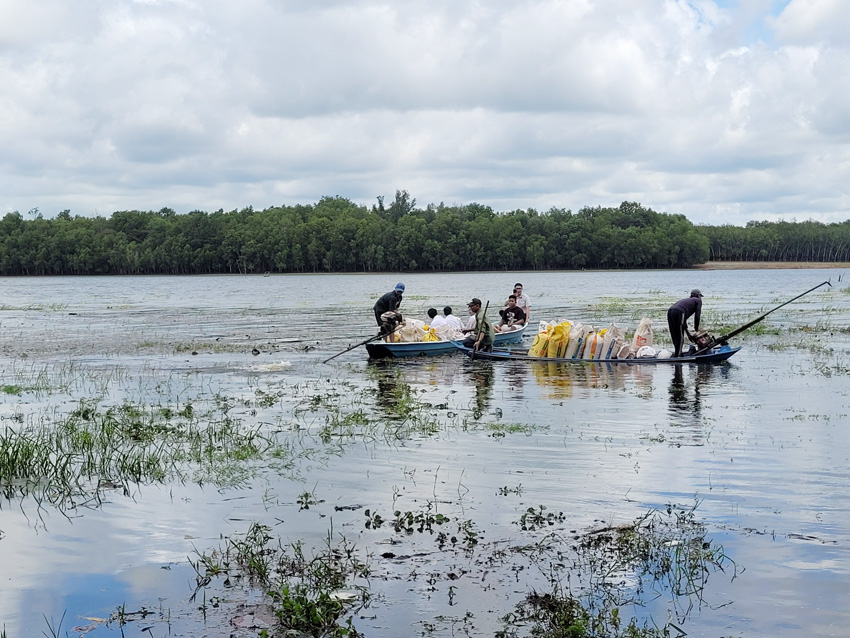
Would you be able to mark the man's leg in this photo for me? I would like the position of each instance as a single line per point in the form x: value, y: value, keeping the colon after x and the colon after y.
x: 676, y: 324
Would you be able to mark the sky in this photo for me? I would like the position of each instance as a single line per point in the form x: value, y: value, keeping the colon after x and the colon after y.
x: 723, y: 111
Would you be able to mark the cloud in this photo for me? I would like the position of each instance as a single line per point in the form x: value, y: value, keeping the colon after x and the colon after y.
x: 724, y: 112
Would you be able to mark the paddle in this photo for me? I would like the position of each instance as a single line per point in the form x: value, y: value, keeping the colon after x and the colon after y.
x: 362, y: 343
x: 480, y: 330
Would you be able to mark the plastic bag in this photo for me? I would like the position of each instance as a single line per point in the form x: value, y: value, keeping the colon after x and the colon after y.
x: 643, y: 335
x: 430, y: 335
x: 646, y: 352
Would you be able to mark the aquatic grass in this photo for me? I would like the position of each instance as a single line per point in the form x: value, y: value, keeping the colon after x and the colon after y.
x: 72, y: 459
x: 667, y: 551
x: 307, y: 594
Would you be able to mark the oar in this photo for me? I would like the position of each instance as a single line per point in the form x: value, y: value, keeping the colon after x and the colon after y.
x: 362, y: 343
x: 481, y: 329
x: 725, y: 338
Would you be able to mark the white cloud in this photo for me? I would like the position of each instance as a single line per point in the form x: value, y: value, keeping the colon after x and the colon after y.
x: 723, y: 113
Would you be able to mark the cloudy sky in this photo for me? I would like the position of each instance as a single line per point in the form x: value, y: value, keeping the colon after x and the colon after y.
x: 724, y: 111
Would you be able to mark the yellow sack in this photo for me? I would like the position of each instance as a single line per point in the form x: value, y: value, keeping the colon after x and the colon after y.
x: 430, y: 335
x: 541, y: 343
x: 559, y: 340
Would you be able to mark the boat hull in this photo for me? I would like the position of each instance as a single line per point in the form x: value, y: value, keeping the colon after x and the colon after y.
x: 382, y: 350
x: 717, y: 356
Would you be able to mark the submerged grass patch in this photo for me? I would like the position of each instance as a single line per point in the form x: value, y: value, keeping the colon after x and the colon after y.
x: 307, y: 594
x: 662, y: 554
x: 595, y: 580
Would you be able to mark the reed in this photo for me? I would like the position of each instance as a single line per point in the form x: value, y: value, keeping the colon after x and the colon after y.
x: 74, y: 458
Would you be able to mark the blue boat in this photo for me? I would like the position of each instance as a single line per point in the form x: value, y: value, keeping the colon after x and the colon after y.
x: 715, y: 355
x: 383, y: 350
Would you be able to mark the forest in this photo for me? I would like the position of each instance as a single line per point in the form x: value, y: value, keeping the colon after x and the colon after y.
x: 337, y: 235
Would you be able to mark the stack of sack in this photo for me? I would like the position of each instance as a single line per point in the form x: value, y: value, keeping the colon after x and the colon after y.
x: 574, y: 340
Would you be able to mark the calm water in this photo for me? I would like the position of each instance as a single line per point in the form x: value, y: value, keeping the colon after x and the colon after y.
x: 760, y: 443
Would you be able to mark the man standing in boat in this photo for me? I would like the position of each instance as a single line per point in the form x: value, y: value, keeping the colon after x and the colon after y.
x: 677, y: 319
x: 388, y: 302
x: 386, y: 311
x: 481, y: 339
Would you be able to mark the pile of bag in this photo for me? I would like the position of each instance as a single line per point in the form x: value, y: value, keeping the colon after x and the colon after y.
x: 413, y: 330
x: 574, y: 340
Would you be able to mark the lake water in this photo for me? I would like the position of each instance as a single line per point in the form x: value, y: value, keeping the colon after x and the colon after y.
x: 759, y: 445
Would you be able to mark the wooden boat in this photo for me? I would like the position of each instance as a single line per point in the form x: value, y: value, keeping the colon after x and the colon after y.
x: 383, y: 350
x: 715, y: 355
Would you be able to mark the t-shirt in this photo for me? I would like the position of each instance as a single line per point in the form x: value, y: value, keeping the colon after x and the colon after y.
x: 513, y: 315
x: 388, y: 301
x: 438, y: 321
x: 523, y: 302
x: 454, y: 322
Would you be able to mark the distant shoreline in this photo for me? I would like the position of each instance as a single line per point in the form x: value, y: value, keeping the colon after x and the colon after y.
x: 766, y: 265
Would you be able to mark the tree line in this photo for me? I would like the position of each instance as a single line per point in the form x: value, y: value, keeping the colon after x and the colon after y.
x: 337, y: 235
x: 779, y: 241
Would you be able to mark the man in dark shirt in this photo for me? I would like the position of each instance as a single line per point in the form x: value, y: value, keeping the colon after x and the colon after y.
x: 512, y: 316
x: 388, y: 302
x: 677, y: 319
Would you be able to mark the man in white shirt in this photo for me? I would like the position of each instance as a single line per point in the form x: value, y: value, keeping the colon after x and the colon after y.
x: 454, y: 322
x: 436, y: 320
x: 522, y: 301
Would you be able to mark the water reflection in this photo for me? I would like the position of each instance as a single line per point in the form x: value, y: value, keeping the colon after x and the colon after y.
x: 686, y: 395
x: 481, y: 375
x: 560, y: 379
x: 392, y: 392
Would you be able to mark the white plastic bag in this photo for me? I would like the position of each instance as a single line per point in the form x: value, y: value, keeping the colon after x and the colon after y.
x: 646, y: 352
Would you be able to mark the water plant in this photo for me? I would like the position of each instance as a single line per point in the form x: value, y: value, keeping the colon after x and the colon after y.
x: 70, y: 461
x: 667, y: 551
x: 306, y: 594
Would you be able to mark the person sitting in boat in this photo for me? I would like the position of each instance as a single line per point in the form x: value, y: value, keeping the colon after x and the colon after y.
x: 512, y: 317
x: 522, y: 301
x: 388, y: 302
x: 677, y: 319
x: 482, y: 336
x: 454, y: 322
x: 435, y: 319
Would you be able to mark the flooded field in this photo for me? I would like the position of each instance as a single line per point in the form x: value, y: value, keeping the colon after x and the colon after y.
x: 176, y: 460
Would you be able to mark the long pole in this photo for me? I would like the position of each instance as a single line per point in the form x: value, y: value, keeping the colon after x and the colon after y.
x: 721, y: 340
x: 362, y: 343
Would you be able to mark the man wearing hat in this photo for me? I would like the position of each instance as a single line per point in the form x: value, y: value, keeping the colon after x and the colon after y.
x: 483, y: 334
x: 388, y: 302
x: 677, y: 319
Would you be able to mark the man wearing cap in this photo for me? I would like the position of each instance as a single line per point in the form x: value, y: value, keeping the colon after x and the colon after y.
x: 388, y: 302
x: 483, y: 334
x: 677, y: 319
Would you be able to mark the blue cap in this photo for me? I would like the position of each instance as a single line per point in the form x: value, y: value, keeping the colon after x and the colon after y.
x: 400, y: 287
